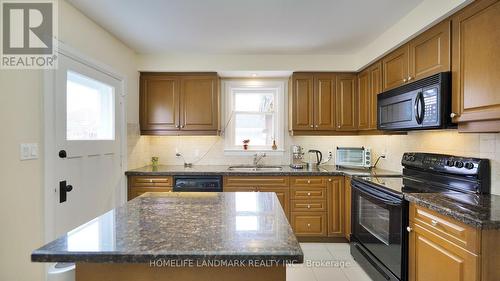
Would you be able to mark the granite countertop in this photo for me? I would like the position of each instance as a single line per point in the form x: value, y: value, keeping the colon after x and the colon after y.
x: 480, y: 211
x: 327, y: 170
x: 182, y: 226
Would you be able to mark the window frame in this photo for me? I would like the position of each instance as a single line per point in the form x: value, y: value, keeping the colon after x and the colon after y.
x: 278, y: 87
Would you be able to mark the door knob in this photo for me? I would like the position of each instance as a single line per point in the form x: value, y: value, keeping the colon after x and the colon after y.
x: 62, y: 154
x: 409, y: 229
x: 453, y: 115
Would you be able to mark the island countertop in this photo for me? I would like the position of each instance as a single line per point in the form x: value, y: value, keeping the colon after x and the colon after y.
x: 182, y: 226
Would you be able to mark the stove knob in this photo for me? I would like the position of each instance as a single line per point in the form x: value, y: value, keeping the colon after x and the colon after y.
x: 449, y: 163
x: 469, y: 165
x: 459, y: 164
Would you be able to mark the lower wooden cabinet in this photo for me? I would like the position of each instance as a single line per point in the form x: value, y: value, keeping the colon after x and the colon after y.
x: 138, y: 185
x: 441, y: 248
x: 336, y: 206
x: 347, y: 207
x: 309, y: 223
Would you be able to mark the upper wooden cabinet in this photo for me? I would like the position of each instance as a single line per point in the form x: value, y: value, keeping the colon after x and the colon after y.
x: 476, y: 67
x: 369, y: 86
x: 430, y: 52
x: 423, y: 56
x: 346, y: 102
x: 312, y: 103
x: 395, y: 68
x: 179, y: 103
x: 302, y: 102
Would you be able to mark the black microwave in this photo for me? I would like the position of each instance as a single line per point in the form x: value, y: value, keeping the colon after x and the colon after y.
x: 420, y: 105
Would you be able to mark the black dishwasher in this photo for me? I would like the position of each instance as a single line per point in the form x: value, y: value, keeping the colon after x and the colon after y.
x: 198, y: 184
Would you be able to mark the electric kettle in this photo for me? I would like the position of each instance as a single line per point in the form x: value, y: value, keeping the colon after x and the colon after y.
x: 314, y: 158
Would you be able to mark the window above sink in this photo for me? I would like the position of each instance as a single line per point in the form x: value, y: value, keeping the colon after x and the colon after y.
x: 255, y: 111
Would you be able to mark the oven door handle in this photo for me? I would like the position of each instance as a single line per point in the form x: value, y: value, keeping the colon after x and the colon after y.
x: 384, y: 199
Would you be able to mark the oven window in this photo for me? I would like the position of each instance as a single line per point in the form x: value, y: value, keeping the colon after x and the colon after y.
x: 374, y: 219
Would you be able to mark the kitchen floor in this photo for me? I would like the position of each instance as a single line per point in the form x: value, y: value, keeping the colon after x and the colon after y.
x: 326, y: 262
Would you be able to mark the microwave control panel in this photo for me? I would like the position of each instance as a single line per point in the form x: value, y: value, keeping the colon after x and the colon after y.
x: 431, y: 108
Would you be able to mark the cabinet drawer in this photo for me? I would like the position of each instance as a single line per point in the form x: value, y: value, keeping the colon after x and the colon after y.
x: 309, y: 206
x: 309, y: 223
x: 138, y: 191
x: 256, y: 181
x: 151, y: 181
x: 308, y: 181
x: 454, y: 231
x: 309, y: 193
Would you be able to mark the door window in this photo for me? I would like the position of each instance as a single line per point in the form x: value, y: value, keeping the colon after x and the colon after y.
x: 90, y: 111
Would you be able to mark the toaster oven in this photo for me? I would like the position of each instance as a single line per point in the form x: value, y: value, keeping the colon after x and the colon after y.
x: 354, y: 157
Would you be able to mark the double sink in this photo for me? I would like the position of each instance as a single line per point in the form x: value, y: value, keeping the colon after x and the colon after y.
x: 254, y: 168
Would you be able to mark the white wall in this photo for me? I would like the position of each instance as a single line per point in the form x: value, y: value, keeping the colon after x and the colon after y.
x: 21, y: 96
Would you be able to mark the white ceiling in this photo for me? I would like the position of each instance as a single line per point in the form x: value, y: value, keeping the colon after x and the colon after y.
x: 246, y: 26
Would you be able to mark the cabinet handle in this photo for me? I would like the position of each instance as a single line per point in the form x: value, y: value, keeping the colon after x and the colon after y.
x: 409, y: 78
x: 338, y: 126
x: 404, y: 80
x: 309, y: 206
x: 434, y: 222
x: 309, y: 225
x: 308, y: 181
x: 312, y: 126
x: 453, y: 115
x: 177, y: 126
x: 409, y: 229
x: 150, y: 180
x: 182, y: 126
x: 329, y: 179
x: 316, y: 126
x: 309, y: 194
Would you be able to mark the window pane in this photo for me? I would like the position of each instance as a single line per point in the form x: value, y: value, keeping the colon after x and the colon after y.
x: 262, y: 101
x: 258, y: 128
x: 89, y: 109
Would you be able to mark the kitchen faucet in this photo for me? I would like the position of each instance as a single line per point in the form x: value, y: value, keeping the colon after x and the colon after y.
x: 257, y: 157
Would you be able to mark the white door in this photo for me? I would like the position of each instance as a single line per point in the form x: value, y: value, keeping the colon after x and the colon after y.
x: 87, y: 159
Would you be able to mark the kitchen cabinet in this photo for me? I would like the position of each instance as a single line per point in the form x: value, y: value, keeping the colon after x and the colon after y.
x: 302, y: 102
x: 179, y: 104
x: 276, y: 184
x: 312, y: 103
x: 364, y: 100
x: 395, y: 68
x: 336, y: 215
x: 347, y: 207
x: 309, y: 197
x: 375, y: 73
x: 430, y: 52
x: 138, y: 185
x: 476, y: 67
x: 442, y: 248
x: 346, y: 101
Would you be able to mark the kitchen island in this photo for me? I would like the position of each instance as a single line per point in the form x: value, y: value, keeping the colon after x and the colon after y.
x: 182, y: 236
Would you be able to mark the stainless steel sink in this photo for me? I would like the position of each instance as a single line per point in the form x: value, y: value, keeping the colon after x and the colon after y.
x: 250, y: 168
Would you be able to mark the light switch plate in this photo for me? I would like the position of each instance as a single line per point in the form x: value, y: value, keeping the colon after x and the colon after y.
x: 28, y: 151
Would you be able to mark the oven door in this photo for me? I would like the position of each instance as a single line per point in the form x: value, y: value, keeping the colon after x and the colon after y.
x: 378, y: 220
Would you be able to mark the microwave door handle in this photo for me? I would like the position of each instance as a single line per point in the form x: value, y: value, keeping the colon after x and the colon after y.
x: 419, y: 112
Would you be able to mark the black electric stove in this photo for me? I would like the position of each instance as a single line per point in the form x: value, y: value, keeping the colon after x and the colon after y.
x: 379, y: 213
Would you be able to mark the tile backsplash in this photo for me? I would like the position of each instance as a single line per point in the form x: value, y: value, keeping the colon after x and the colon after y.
x: 209, y: 150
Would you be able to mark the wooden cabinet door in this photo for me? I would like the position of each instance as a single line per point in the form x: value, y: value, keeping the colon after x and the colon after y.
x: 309, y: 223
x: 347, y: 207
x: 364, y: 100
x: 395, y: 68
x: 476, y: 63
x: 283, y: 194
x: 302, y: 106
x: 346, y: 102
x: 432, y: 258
x: 430, y: 52
x: 375, y: 89
x: 159, y: 104
x: 324, y: 102
x: 199, y: 106
x: 336, y: 206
